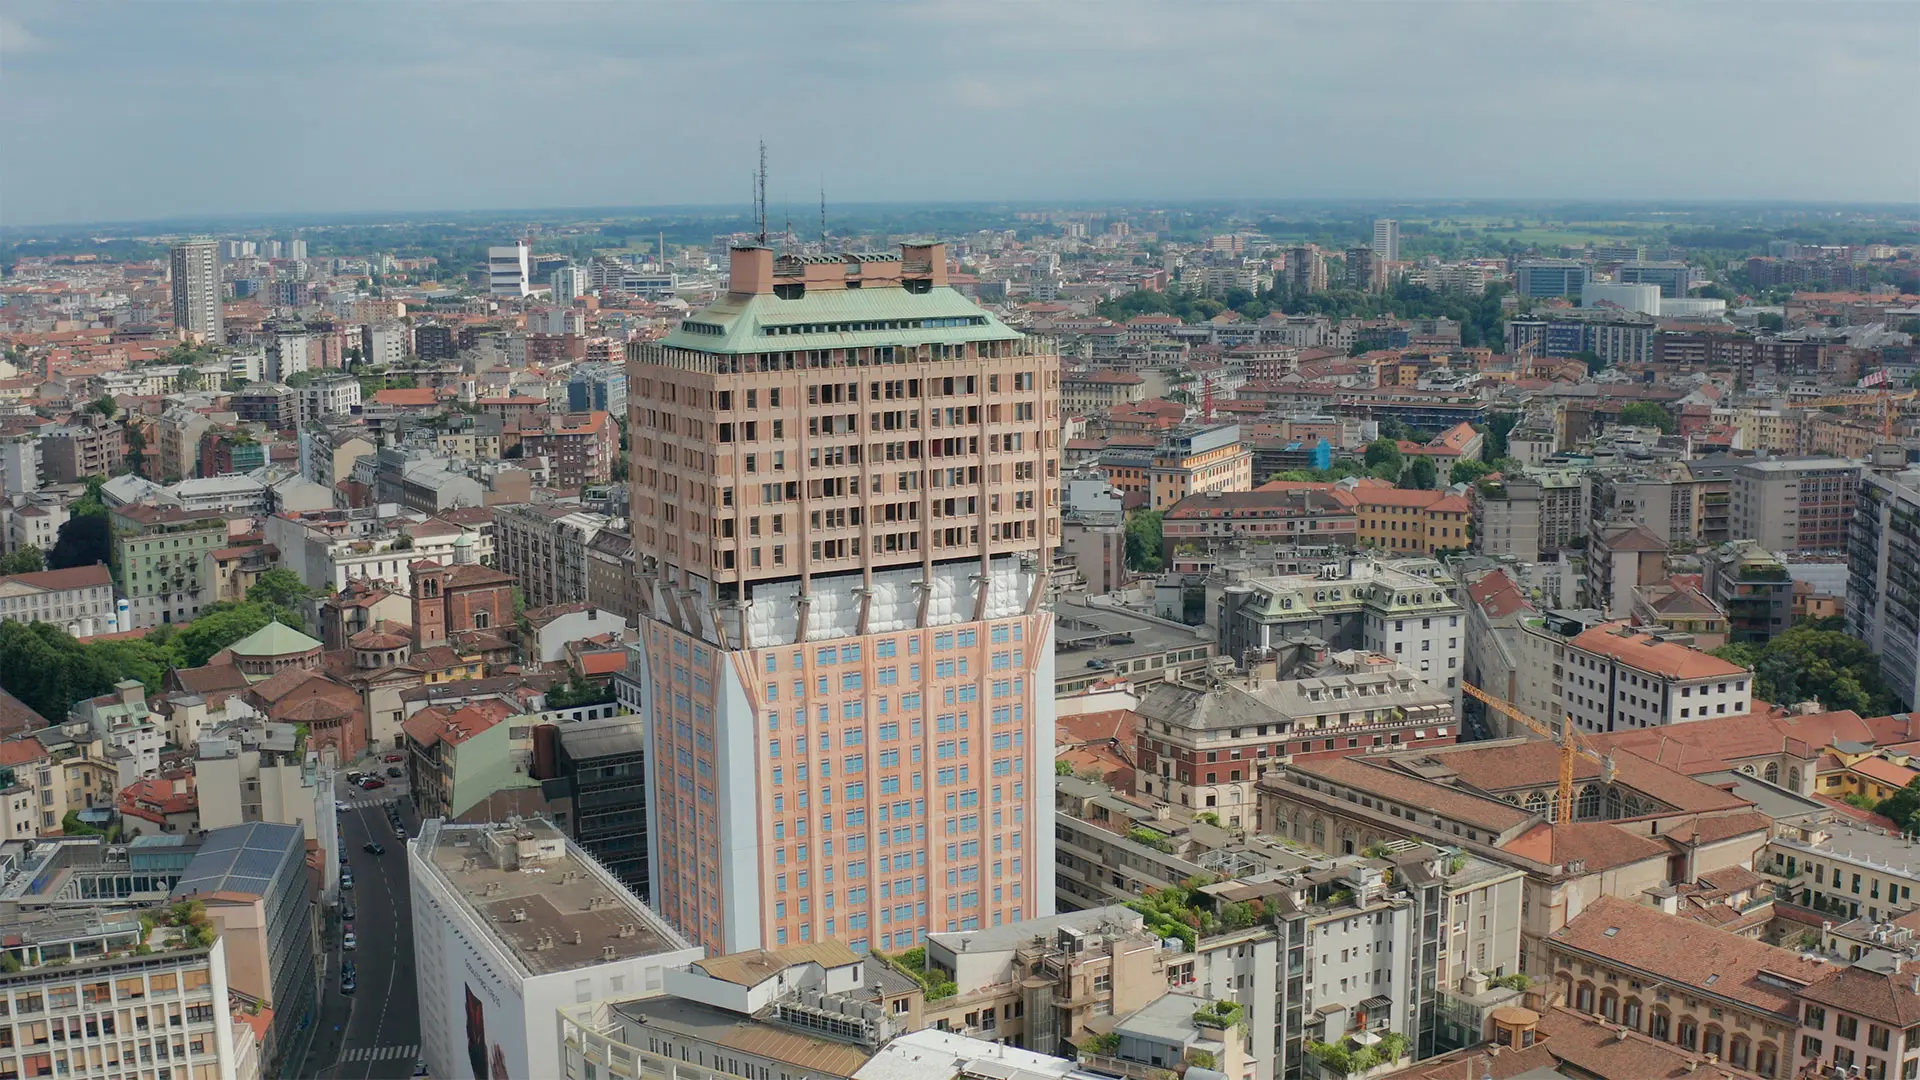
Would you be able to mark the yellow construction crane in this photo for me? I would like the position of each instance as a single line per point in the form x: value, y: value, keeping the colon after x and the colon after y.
x: 1884, y: 401
x: 1568, y: 738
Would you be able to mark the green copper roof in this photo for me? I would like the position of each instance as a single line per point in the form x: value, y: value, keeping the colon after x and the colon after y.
x: 837, y: 319
x: 274, y: 639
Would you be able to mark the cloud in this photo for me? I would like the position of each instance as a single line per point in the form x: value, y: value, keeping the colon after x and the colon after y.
x: 15, y: 38
x: 290, y: 108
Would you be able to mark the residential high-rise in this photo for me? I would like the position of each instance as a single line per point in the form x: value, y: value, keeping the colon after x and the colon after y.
x: 196, y: 290
x: 1306, y: 269
x: 1542, y: 278
x: 845, y: 491
x: 569, y: 283
x: 1883, y: 603
x: 509, y: 270
x: 1386, y: 239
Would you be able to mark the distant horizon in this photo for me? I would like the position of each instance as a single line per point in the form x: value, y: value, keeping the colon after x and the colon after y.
x: 122, y: 112
x: 1252, y: 204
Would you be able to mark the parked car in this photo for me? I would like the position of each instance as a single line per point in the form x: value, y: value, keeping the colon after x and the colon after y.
x: 349, y: 942
x: 372, y: 847
x: 372, y: 783
x: 395, y: 771
x: 347, y: 912
x: 400, y: 831
x: 347, y: 985
x: 419, y: 1066
x: 391, y: 758
x: 346, y: 881
x: 339, y: 807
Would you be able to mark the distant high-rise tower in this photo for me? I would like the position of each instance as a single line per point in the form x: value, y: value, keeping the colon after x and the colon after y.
x: 1306, y: 269
x: 196, y: 290
x: 569, y: 283
x: 509, y: 270
x: 1386, y: 239
x: 296, y: 249
x: 844, y: 486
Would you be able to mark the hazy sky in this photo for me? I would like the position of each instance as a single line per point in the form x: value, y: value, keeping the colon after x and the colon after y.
x: 151, y: 110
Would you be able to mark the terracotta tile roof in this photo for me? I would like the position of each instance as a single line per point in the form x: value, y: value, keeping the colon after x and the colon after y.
x: 1864, y: 817
x: 209, y: 679
x: 1497, y: 595
x: 1888, y: 997
x: 1886, y: 772
x: 1714, y: 745
x: 1584, y: 846
x: 16, y: 717
x: 1632, y: 538
x: 75, y: 577
x: 17, y: 752
x: 1485, y: 812
x: 1499, y: 767
x: 1758, y: 975
x: 432, y: 725
x: 407, y: 398
x: 1713, y: 830
x: 603, y: 663
x: 1647, y: 653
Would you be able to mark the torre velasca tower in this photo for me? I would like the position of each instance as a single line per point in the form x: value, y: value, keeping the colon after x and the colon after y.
x: 845, y: 486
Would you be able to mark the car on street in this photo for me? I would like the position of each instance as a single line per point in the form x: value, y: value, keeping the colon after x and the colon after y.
x: 373, y: 847
x: 347, y: 985
x: 391, y: 758
x: 400, y: 831
x: 346, y: 911
x: 354, y: 776
x: 343, y: 856
x: 395, y: 772
x: 348, y: 941
x: 419, y: 1066
x: 346, y: 881
x: 339, y: 807
x: 372, y: 783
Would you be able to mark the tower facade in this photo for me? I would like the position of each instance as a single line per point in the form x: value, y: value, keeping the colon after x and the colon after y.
x: 1386, y: 239
x: 844, y: 491
x: 196, y: 290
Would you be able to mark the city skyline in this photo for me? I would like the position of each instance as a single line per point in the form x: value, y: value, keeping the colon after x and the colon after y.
x: 350, y: 110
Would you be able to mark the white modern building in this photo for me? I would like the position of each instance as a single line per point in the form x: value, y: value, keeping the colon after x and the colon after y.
x: 197, y: 312
x: 512, y: 923
x: 327, y: 395
x: 1644, y: 299
x: 509, y: 270
x: 1386, y: 239
x: 1613, y: 677
x: 569, y: 283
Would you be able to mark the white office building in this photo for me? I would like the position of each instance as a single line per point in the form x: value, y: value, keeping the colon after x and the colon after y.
x: 509, y: 270
x: 569, y: 283
x: 511, y: 923
x: 1386, y: 239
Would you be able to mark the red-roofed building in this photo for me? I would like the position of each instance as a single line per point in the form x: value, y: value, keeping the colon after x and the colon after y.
x: 1619, y: 678
x: 165, y: 803
x: 459, y: 756
x: 1408, y: 521
x: 580, y: 448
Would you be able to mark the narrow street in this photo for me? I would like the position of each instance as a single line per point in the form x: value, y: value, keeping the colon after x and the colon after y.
x: 372, y: 1034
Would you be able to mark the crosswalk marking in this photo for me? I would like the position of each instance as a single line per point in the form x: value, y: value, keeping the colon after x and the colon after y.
x: 381, y: 1053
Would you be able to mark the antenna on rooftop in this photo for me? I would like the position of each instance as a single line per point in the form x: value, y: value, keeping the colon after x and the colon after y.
x: 823, y: 215
x: 760, y: 193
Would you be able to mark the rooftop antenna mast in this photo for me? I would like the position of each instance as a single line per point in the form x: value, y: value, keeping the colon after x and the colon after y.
x: 823, y: 216
x: 760, y: 193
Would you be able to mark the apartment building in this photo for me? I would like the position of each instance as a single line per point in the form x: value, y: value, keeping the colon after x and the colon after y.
x: 1752, y: 586
x: 509, y: 270
x: 499, y: 950
x: 1506, y: 518
x: 1097, y: 390
x: 1853, y: 871
x: 580, y: 448
x: 163, y: 563
x: 88, y: 444
x: 1403, y: 610
x: 1883, y: 577
x: 197, y: 290
x: 326, y: 395
x: 1864, y: 1018
x: 79, y: 600
x: 1204, y: 741
x: 546, y: 550
x: 1730, y: 997
x: 1406, y: 521
x: 1614, y: 677
x: 1294, y: 514
x: 872, y: 622
x: 1185, y: 461
x: 1787, y: 504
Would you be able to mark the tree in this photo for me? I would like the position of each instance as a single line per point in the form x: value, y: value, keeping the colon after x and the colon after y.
x: 105, y: 406
x: 27, y: 560
x: 1385, y: 451
x: 1808, y: 663
x: 1647, y: 414
x: 1902, y: 805
x: 283, y: 592
x: 1467, y: 471
x: 219, y: 626
x: 1421, y: 474
x: 1594, y: 361
x: 1767, y: 320
x: 83, y: 540
x: 1144, y: 541
x: 1499, y: 426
